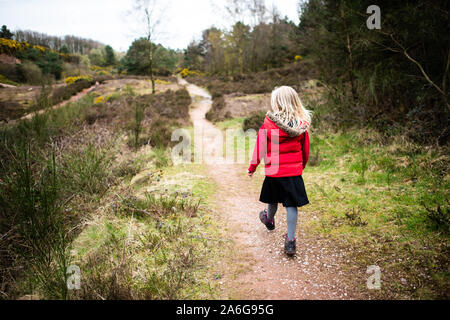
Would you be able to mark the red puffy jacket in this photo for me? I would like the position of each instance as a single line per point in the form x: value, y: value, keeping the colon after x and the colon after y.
x: 285, y: 150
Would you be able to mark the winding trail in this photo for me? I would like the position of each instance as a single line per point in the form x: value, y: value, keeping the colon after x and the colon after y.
x: 254, y: 265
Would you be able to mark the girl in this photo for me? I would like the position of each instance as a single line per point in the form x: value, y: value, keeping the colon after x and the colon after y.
x: 283, y: 141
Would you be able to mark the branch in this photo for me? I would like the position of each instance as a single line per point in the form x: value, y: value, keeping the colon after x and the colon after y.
x: 423, y: 72
x: 405, y: 52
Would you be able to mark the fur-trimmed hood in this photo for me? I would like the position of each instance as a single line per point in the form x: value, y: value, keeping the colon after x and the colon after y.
x: 292, y: 132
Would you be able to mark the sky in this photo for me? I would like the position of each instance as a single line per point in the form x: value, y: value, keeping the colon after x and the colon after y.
x: 109, y: 21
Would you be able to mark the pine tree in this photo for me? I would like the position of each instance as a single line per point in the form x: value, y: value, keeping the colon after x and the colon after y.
x: 6, y: 33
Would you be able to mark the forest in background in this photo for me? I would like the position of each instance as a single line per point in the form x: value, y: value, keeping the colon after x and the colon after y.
x: 394, y: 78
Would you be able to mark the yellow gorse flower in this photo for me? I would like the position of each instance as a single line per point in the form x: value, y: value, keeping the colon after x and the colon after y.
x: 70, y: 80
x: 186, y: 73
x: 99, y: 100
x: 159, y: 81
x: 12, y: 47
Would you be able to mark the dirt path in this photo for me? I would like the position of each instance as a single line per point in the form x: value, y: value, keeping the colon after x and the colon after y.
x: 75, y: 97
x: 255, y: 266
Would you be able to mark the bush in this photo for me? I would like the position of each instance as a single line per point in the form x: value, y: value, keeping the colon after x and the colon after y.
x: 65, y: 92
x: 70, y: 80
x: 30, y: 73
x: 161, y: 132
x: 95, y: 113
x: 254, y: 121
x: 214, y: 113
x: 10, y: 110
x: 170, y: 104
x: 9, y: 71
x: 70, y: 69
x: 5, y: 80
x: 189, y: 73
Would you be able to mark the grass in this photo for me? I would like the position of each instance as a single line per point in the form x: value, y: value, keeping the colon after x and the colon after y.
x: 5, y: 80
x: 390, y: 199
x: 62, y: 171
x: 153, y: 246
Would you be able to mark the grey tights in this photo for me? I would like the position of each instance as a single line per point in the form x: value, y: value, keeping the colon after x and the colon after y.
x: 292, y: 215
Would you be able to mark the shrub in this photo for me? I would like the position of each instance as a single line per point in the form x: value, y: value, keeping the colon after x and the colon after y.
x: 170, y: 104
x: 9, y: 71
x: 159, y: 81
x: 254, y: 121
x: 94, y: 113
x: 70, y: 80
x: 87, y: 171
x: 30, y: 73
x: 161, y: 132
x: 160, y: 157
x: 189, y: 73
x: 65, y: 92
x: 5, y: 80
x: 99, y: 99
x: 10, y: 110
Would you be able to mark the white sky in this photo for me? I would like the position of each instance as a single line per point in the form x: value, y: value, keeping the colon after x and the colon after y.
x: 107, y: 22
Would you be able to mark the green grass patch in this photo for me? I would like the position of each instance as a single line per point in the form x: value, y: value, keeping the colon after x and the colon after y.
x: 362, y: 190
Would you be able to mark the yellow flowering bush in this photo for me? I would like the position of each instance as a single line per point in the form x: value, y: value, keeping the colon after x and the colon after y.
x: 12, y: 47
x: 186, y: 73
x: 99, y: 100
x: 298, y: 57
x: 159, y: 81
x: 103, y: 73
x: 40, y: 48
x: 113, y: 96
x: 70, y: 80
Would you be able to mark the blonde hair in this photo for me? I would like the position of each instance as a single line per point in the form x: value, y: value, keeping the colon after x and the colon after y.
x: 288, y: 107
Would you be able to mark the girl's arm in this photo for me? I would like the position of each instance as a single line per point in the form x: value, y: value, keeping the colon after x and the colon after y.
x: 305, y: 148
x: 259, y: 150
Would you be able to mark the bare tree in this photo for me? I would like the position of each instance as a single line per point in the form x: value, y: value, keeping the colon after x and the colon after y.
x: 258, y: 10
x: 236, y: 10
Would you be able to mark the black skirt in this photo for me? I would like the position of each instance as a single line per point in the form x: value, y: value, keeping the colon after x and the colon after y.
x: 290, y: 191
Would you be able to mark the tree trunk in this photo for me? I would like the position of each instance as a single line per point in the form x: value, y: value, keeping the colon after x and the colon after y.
x: 349, y: 53
x: 151, y: 69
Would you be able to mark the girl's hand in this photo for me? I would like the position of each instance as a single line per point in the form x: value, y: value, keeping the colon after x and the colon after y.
x: 250, y: 174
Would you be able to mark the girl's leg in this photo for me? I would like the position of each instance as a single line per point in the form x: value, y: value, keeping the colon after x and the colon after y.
x: 292, y: 215
x: 271, y: 210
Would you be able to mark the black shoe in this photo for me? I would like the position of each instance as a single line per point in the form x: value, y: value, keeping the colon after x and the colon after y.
x: 270, y: 225
x: 290, y: 246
